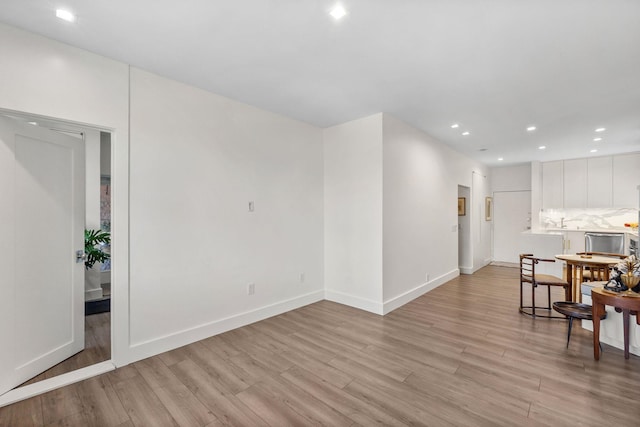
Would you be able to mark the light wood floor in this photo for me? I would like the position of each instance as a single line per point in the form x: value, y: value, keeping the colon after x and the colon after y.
x: 460, y: 355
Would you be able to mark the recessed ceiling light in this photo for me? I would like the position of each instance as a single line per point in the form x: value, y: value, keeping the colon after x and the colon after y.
x: 338, y: 12
x: 500, y: 159
x: 594, y: 151
x: 455, y: 126
x: 542, y: 147
x: 531, y: 128
x: 32, y: 123
x: 597, y: 139
x: 65, y: 15
x: 465, y: 133
x: 601, y: 129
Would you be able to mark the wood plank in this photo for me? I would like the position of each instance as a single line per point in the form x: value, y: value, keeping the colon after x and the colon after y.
x: 183, y: 406
x: 100, y: 402
x: 225, y: 406
x: 143, y: 406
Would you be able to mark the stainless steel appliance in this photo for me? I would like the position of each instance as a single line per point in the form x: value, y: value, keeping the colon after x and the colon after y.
x: 633, y: 246
x: 612, y: 243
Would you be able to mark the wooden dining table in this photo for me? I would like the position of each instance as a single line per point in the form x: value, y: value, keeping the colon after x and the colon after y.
x: 576, y: 265
x: 628, y: 304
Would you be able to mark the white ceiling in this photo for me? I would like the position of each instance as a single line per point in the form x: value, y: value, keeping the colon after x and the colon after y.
x: 494, y: 66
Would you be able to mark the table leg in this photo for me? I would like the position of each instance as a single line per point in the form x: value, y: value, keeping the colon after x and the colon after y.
x: 570, y: 280
x: 625, y: 324
x: 596, y: 310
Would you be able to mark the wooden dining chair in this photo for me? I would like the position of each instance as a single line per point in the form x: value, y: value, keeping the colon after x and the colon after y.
x: 593, y: 273
x: 528, y: 276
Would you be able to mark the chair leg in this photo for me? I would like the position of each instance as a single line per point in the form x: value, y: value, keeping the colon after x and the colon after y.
x: 569, y: 332
x: 521, y: 286
x: 533, y: 300
x: 549, y: 297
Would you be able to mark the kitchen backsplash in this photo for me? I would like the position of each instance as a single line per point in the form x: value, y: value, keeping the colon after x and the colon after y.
x: 572, y: 219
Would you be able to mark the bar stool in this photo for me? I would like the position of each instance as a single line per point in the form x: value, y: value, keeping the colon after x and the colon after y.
x: 574, y: 310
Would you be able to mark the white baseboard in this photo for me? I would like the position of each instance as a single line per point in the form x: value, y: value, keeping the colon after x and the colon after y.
x: 466, y: 270
x: 354, y: 301
x: 471, y: 270
x: 142, y: 350
x: 27, y: 391
x: 409, y: 296
x: 92, y: 294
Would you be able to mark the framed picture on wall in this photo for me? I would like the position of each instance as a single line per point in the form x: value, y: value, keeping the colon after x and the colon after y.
x: 462, y: 206
x: 488, y: 208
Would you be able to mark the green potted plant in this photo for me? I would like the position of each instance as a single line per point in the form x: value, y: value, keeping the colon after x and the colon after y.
x: 94, y: 241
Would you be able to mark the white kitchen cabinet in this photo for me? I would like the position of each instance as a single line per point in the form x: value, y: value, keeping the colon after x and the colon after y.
x: 552, y: 187
x: 599, y: 182
x: 626, y: 178
x: 573, y: 242
x: 575, y: 183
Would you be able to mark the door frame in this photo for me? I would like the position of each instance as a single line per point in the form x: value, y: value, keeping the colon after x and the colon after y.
x: 118, y: 260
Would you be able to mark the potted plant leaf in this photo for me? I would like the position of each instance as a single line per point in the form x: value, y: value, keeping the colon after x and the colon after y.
x: 94, y: 242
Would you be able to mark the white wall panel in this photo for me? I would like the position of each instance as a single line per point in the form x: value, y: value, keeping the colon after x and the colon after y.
x: 198, y: 159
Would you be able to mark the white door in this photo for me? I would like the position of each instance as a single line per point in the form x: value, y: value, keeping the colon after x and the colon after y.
x: 511, y: 216
x: 41, y: 228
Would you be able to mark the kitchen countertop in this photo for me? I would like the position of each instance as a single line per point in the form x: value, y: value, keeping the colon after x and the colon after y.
x: 593, y: 230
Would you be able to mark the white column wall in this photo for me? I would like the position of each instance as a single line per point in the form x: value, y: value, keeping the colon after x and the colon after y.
x: 353, y: 213
x: 198, y: 159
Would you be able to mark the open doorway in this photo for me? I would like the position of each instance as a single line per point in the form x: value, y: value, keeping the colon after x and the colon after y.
x: 95, y: 214
x: 465, y: 257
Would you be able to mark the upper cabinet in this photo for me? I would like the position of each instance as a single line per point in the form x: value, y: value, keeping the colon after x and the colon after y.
x: 552, y: 190
x: 626, y: 178
x: 598, y: 182
x: 575, y: 183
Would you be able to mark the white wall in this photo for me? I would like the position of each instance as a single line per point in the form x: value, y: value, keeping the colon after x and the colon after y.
x: 421, y: 178
x: 353, y: 213
x: 391, y: 213
x: 198, y: 159
x: 511, y: 178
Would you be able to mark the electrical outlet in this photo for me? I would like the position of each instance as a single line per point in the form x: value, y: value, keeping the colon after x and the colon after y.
x: 251, y: 288
x: 427, y: 277
x: 251, y: 207
x: 301, y: 277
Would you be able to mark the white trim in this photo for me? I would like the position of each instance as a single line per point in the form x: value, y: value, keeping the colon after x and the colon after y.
x: 471, y: 270
x: 31, y: 390
x: 168, y: 342
x: 371, y: 306
x: 409, y: 296
x: 466, y: 270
